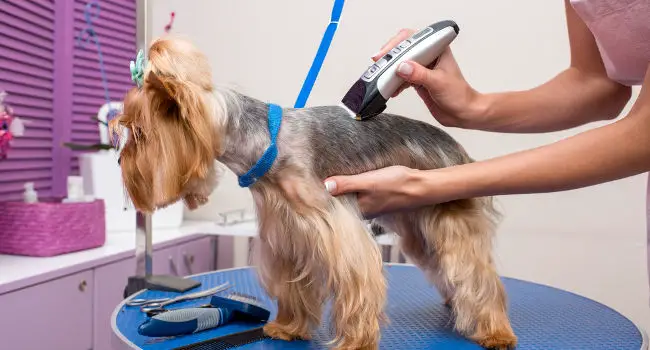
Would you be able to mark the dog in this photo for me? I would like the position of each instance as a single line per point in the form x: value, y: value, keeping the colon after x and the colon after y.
x: 313, y: 246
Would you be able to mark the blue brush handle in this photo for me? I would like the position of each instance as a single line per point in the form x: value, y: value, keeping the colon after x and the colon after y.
x: 184, y: 321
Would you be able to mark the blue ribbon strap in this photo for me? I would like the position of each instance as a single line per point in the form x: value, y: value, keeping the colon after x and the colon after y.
x: 320, y: 54
x: 265, y: 163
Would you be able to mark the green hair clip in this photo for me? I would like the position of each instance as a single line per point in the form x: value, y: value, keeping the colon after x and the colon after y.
x: 137, y: 69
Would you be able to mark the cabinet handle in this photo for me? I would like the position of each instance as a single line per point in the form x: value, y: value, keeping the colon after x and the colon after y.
x: 82, y: 286
x: 173, y: 266
x: 189, y: 261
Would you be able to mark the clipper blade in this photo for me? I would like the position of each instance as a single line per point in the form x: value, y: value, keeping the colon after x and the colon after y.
x: 352, y: 102
x: 352, y: 114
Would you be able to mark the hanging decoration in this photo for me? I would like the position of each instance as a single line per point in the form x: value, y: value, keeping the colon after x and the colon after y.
x: 10, y: 126
x: 85, y: 36
x: 91, y: 12
x: 168, y: 27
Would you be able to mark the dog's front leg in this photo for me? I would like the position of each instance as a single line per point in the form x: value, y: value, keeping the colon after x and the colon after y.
x: 287, y: 267
x: 315, y: 246
x: 299, y: 296
x: 282, y: 272
x: 356, y: 277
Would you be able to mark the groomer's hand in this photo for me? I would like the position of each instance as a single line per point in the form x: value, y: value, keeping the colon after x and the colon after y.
x: 444, y: 90
x: 382, y: 191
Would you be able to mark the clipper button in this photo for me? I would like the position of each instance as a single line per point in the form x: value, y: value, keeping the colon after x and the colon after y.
x: 404, y: 44
x: 371, y: 71
x: 382, y: 62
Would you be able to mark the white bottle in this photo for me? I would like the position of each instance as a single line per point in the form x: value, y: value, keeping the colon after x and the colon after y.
x: 75, y: 189
x: 30, y: 195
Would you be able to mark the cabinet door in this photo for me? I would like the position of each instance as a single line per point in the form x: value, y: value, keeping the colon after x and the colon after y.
x: 51, y: 315
x: 196, y: 256
x: 165, y: 262
x: 110, y: 281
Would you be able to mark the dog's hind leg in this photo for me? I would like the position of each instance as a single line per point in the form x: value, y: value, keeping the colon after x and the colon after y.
x: 312, y: 245
x: 452, y: 242
x: 414, y: 244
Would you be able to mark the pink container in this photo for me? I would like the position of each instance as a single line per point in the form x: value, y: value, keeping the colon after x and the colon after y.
x: 51, y: 228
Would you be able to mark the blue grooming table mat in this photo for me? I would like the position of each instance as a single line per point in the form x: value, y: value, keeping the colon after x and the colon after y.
x: 542, y: 317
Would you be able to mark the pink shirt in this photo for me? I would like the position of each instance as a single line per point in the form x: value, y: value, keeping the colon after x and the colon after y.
x: 622, y: 32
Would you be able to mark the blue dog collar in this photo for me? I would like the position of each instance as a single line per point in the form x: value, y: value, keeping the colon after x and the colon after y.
x: 266, y: 161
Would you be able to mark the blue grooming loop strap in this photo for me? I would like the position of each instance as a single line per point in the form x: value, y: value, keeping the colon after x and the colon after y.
x: 320, y: 54
x: 265, y: 163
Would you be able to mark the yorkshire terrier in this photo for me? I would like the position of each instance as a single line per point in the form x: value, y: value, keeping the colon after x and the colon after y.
x: 314, y: 247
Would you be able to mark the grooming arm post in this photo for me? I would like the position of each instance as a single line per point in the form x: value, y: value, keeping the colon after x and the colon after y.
x: 143, y: 245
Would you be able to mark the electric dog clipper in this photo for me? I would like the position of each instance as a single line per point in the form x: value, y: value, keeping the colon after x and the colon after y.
x: 368, y: 96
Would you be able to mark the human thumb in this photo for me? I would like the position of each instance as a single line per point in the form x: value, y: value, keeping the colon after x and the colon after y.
x: 417, y: 74
x: 336, y: 185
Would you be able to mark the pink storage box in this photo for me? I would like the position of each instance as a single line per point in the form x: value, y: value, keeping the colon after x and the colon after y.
x: 51, y: 228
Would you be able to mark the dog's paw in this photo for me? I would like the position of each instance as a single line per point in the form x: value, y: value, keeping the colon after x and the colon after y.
x: 498, y: 341
x: 448, y: 303
x: 278, y: 331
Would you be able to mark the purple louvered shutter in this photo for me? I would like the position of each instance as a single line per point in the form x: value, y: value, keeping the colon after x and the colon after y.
x: 27, y: 75
x: 116, y: 30
x: 55, y: 85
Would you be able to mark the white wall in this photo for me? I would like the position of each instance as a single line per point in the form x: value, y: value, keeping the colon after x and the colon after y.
x: 591, y: 241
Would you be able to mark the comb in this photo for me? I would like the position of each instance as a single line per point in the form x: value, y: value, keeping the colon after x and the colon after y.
x: 243, y: 306
x: 229, y: 341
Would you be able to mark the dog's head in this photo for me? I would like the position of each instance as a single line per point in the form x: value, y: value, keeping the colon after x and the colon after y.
x: 174, y: 129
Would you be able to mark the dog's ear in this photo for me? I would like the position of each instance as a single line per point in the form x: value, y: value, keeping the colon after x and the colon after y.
x: 186, y: 102
x: 163, y: 94
x: 180, y: 98
x: 155, y: 85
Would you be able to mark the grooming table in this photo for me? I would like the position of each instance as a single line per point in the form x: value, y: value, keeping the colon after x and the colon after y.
x: 543, y: 317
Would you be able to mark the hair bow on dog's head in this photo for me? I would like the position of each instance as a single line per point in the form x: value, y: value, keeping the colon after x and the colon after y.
x: 137, y: 69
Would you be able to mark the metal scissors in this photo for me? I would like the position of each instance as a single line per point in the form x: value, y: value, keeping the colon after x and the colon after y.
x: 149, y: 305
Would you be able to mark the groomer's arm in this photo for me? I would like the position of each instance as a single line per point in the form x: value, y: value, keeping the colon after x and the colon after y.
x: 615, y: 151
x: 578, y: 95
x: 600, y: 155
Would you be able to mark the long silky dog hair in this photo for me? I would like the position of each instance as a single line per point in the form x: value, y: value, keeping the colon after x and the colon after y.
x: 313, y: 246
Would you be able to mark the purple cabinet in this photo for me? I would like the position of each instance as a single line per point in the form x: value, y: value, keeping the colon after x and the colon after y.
x: 53, y: 315
x: 182, y: 259
x: 185, y: 259
x: 110, y: 281
x: 165, y: 261
x: 74, y: 312
x: 196, y: 257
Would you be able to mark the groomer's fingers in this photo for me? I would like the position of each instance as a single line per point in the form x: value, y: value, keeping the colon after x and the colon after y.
x: 392, y: 42
x: 417, y: 74
x: 430, y: 66
x: 337, y: 185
